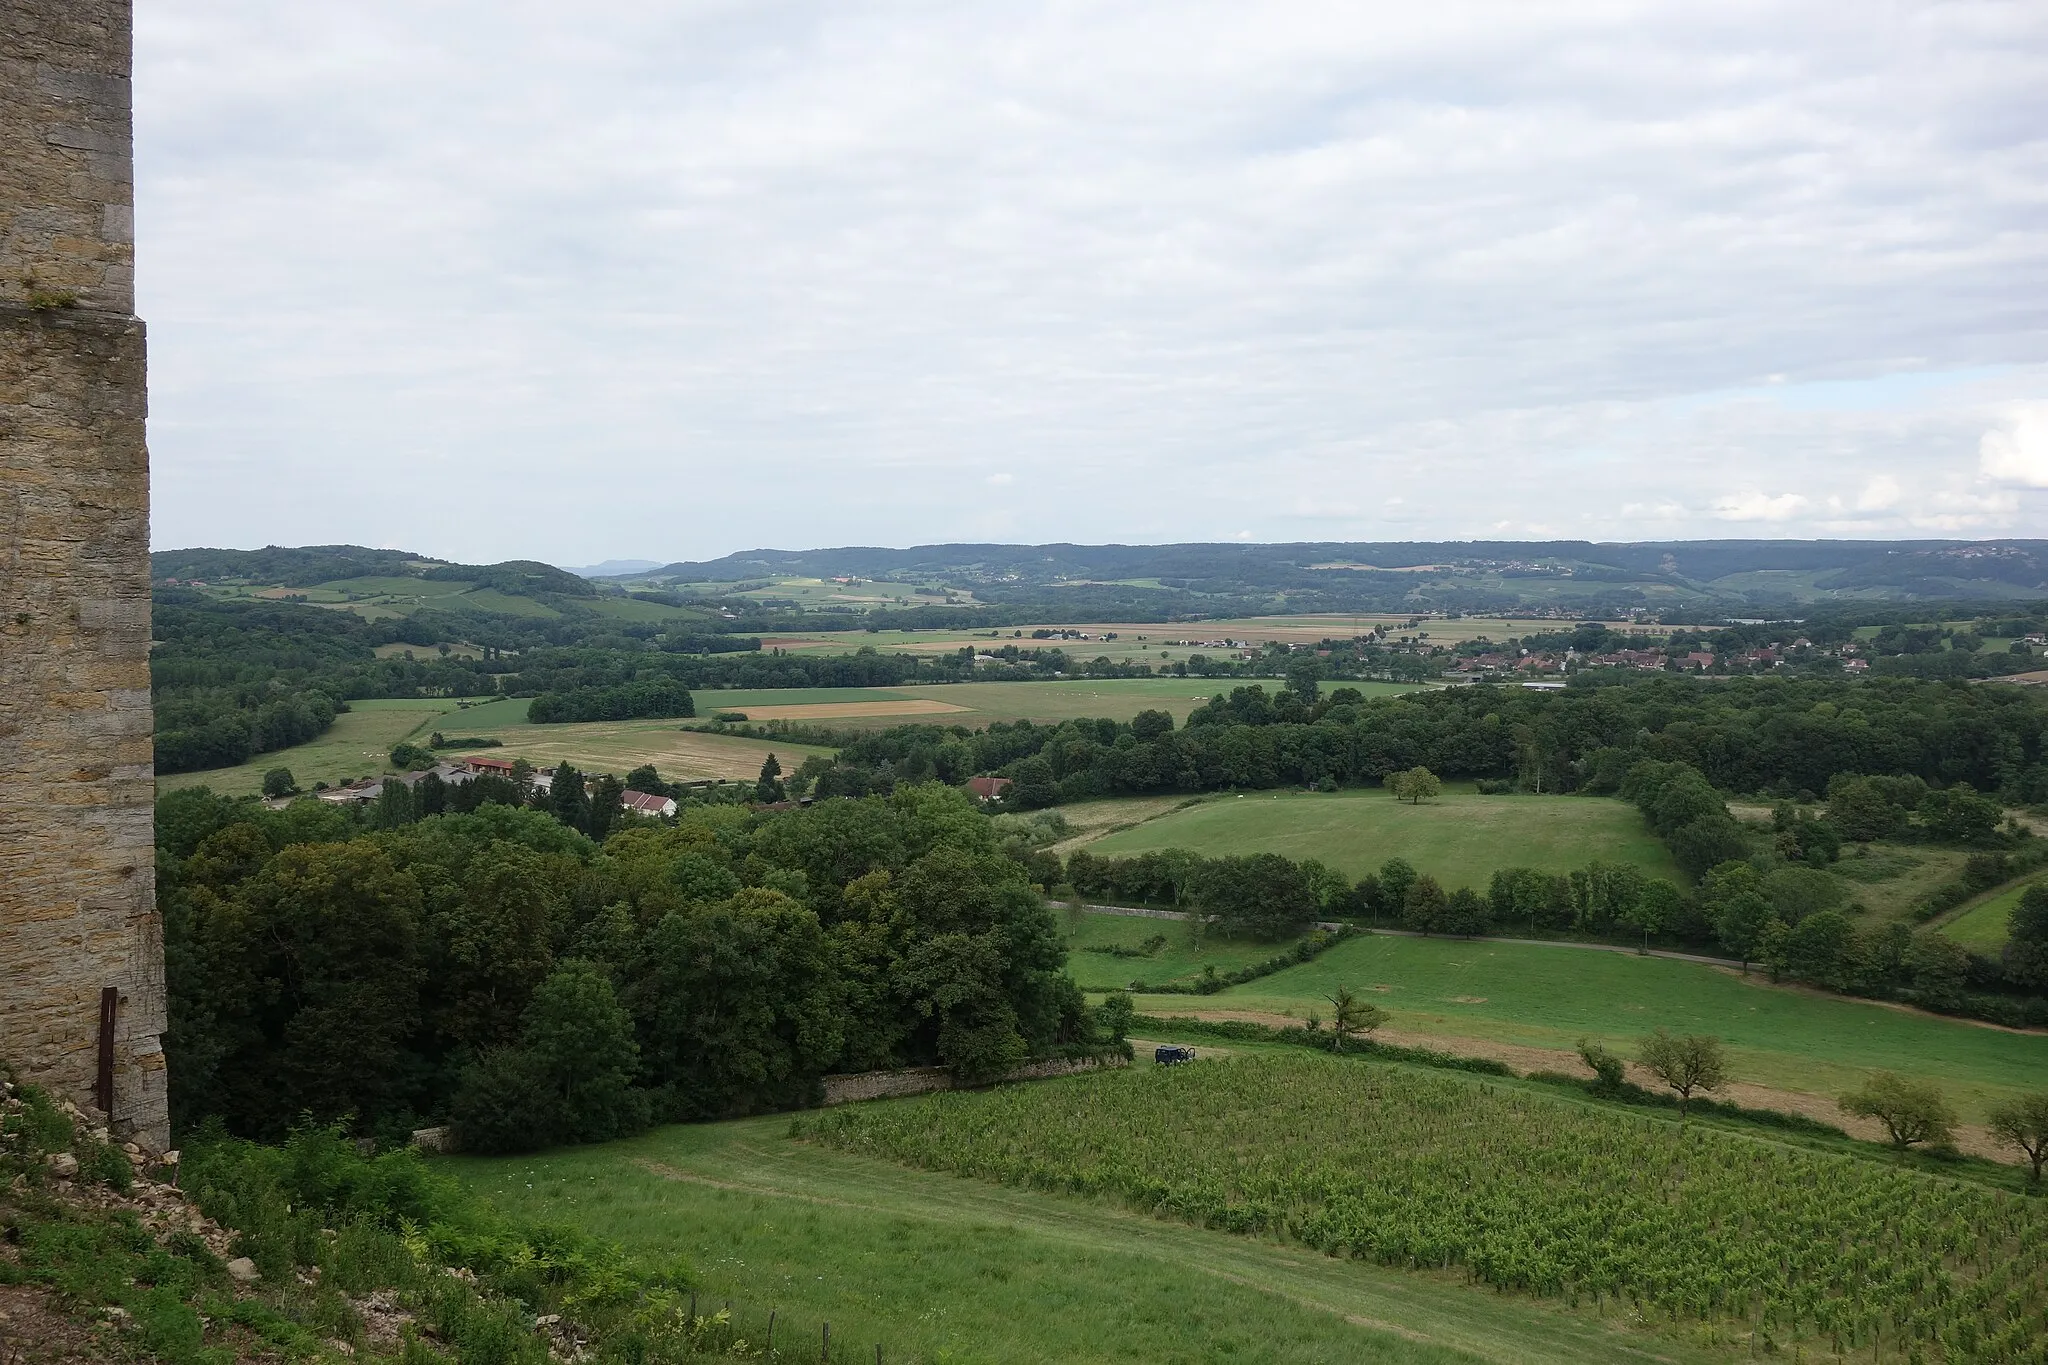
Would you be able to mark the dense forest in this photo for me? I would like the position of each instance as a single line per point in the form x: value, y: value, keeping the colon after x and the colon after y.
x: 500, y: 966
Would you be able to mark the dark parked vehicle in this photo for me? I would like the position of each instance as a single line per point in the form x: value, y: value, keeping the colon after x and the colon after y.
x: 1172, y: 1054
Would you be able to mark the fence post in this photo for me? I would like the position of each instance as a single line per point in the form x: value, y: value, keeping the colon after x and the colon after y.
x: 103, y: 1080
x: 825, y: 1353
x: 771, y: 1331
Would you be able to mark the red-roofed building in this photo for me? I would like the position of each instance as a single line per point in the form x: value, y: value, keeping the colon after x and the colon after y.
x: 988, y: 788
x: 496, y: 767
x: 646, y: 803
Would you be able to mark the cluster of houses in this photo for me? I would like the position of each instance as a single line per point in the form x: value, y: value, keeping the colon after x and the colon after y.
x: 461, y: 771
x: 1499, y: 663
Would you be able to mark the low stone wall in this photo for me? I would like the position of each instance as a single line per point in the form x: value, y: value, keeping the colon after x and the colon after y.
x: 921, y: 1080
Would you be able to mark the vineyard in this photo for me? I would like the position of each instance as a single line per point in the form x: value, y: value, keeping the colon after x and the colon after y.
x: 1737, y: 1240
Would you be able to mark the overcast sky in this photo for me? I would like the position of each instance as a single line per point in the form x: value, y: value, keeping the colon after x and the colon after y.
x: 492, y: 279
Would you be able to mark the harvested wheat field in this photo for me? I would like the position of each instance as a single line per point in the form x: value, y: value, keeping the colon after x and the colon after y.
x: 841, y: 710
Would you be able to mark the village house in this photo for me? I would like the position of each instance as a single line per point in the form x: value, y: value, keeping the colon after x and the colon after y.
x: 988, y: 788
x: 646, y: 803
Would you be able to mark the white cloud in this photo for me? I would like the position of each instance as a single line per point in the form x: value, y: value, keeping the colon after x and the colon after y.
x: 2017, y: 452
x: 1000, y: 480
x: 1750, y: 505
x: 772, y: 267
x: 1881, y: 494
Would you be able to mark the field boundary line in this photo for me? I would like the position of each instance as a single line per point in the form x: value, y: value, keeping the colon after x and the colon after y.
x: 1144, y: 912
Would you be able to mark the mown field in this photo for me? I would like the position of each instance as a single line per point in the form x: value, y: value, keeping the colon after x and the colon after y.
x: 620, y: 746
x: 1983, y: 926
x: 944, y: 1269
x: 977, y: 704
x: 1461, y: 838
x: 1548, y: 997
x: 1678, y: 1231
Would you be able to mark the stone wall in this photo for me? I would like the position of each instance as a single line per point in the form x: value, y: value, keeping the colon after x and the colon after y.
x: 883, y: 1085
x: 77, y: 886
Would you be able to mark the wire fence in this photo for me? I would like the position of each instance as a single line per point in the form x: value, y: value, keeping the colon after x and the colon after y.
x: 722, y: 1326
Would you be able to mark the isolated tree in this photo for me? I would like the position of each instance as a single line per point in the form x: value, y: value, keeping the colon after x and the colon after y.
x: 1609, y: 1071
x: 2023, y: 1123
x: 1686, y: 1063
x: 1415, y: 786
x: 1911, y: 1111
x: 1351, y: 1014
x: 278, y: 782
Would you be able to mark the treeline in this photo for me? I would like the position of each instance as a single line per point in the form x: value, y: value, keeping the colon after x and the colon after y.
x: 1773, y: 905
x: 501, y: 968
x: 1780, y: 736
x: 626, y: 701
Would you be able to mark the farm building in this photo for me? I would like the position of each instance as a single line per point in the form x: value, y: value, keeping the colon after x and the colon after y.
x: 645, y: 803
x: 988, y: 788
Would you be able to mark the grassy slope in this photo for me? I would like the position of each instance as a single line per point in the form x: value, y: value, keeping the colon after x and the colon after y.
x: 1460, y: 839
x: 1551, y: 996
x: 1175, y: 963
x: 952, y: 1269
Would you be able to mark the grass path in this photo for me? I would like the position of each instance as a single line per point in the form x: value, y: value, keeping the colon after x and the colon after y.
x: 943, y: 1267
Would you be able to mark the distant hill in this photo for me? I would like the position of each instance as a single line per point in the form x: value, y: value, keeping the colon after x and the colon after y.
x: 615, y: 568
x: 1435, y: 575
x: 309, y: 566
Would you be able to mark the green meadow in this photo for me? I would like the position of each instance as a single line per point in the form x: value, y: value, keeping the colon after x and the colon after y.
x: 1461, y: 838
x: 1551, y: 996
x: 1176, y: 961
x: 944, y: 1269
x: 1983, y: 926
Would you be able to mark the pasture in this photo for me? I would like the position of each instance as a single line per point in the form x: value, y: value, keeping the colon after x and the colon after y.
x: 1461, y: 838
x: 1546, y: 997
x: 944, y: 1269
